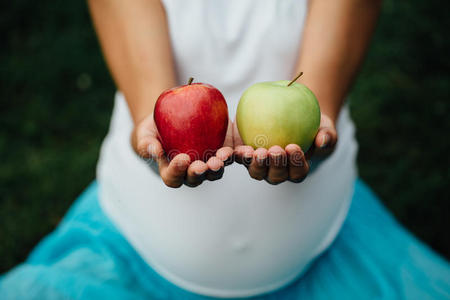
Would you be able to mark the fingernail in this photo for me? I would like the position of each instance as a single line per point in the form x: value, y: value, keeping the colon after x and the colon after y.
x: 151, y: 149
x: 215, y: 170
x: 152, y: 152
x: 275, y: 155
x: 325, y: 140
x: 247, y: 158
x: 226, y: 159
x: 276, y: 159
x: 180, y: 166
x: 260, y: 159
x: 199, y: 173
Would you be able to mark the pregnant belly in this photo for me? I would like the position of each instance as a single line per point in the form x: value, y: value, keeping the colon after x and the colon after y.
x: 231, y: 238
x: 235, y: 237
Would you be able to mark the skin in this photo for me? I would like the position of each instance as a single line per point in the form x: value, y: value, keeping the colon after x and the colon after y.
x: 128, y: 35
x: 334, y: 42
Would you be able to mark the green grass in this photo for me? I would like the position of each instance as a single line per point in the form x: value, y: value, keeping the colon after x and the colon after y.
x: 56, y: 99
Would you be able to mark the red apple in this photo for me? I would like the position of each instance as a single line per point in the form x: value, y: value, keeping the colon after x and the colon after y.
x: 191, y: 119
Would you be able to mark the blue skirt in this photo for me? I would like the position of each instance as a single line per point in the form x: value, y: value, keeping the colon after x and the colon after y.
x: 373, y: 257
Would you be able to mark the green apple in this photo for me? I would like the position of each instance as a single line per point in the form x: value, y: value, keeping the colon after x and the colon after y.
x: 278, y: 113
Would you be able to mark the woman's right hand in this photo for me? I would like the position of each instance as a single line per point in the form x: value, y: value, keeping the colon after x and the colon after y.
x: 180, y: 170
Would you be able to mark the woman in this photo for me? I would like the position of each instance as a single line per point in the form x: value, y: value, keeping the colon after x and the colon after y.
x: 237, y: 236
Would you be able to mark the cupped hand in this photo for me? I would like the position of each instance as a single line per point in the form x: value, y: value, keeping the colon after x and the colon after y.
x: 276, y: 165
x: 180, y: 170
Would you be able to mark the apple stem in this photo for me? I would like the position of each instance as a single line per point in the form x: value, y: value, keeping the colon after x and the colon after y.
x: 297, y: 77
x: 190, y: 80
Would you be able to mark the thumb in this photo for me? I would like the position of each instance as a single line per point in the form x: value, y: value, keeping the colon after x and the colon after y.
x: 146, y: 146
x: 325, y: 140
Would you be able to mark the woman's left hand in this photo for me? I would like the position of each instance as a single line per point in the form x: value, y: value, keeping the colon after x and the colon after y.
x: 276, y: 165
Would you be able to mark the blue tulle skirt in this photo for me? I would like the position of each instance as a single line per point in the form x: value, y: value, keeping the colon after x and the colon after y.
x: 373, y: 257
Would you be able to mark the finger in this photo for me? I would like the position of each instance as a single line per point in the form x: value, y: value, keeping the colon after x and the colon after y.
x: 147, y: 146
x: 259, y: 165
x: 278, y: 167
x: 298, y: 167
x: 143, y: 135
x: 154, y: 148
x: 215, y: 169
x: 325, y: 141
x: 196, y: 173
x: 243, y: 154
x: 225, y: 154
x: 173, y: 173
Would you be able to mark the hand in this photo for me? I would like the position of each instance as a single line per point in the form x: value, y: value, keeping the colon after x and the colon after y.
x: 276, y: 164
x: 180, y: 170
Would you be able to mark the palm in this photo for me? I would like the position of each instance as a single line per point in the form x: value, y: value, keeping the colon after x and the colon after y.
x: 180, y: 170
x: 276, y: 165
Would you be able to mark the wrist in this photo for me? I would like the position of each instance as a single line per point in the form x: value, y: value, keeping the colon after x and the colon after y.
x: 141, y: 102
x: 331, y: 113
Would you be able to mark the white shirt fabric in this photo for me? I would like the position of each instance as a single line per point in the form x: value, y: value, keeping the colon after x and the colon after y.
x: 234, y: 237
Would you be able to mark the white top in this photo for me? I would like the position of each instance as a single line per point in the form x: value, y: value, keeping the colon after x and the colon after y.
x: 234, y: 237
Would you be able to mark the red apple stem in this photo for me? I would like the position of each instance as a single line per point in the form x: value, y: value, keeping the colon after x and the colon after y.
x: 295, y: 79
x: 190, y: 80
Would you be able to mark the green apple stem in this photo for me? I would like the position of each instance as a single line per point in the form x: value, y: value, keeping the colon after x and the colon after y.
x: 297, y: 77
x: 190, y: 80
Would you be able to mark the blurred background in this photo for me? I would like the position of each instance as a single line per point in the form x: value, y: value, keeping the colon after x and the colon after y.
x: 56, y: 97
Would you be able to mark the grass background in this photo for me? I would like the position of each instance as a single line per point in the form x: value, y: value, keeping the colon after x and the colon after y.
x: 56, y: 99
